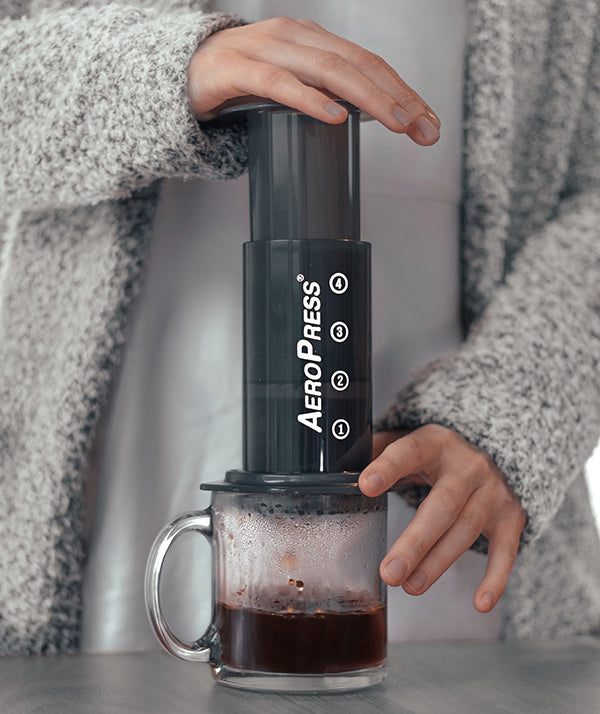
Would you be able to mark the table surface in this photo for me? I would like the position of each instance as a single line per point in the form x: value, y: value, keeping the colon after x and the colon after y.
x: 427, y: 678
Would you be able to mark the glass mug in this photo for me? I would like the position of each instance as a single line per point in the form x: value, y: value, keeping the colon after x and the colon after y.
x: 298, y: 604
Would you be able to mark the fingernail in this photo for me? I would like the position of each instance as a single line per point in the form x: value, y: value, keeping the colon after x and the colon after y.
x: 374, y: 482
x: 335, y: 109
x: 434, y: 120
x: 427, y: 130
x: 395, y: 571
x: 417, y: 580
x: 487, y: 600
x: 402, y: 116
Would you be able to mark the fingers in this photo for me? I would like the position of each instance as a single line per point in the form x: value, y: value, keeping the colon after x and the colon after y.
x: 377, y: 70
x: 232, y: 74
x: 419, y: 558
x: 328, y: 70
x: 446, y: 524
x: 281, y: 85
x: 502, y: 553
x: 382, y: 439
x: 411, y: 113
x: 374, y: 67
x: 416, y: 452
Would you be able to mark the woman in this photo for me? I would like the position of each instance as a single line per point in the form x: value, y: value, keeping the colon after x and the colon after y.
x: 62, y: 345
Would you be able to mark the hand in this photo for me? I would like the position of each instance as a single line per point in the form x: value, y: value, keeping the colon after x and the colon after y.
x: 301, y: 65
x: 468, y: 497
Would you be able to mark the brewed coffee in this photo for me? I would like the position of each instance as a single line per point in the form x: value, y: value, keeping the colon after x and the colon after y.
x: 293, y: 642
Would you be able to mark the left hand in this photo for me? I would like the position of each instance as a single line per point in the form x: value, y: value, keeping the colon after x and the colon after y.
x: 468, y: 497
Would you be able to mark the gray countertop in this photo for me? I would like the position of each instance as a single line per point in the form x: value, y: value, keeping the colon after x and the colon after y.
x: 449, y: 678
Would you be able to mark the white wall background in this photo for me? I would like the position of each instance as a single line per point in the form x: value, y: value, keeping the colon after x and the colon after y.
x: 593, y: 478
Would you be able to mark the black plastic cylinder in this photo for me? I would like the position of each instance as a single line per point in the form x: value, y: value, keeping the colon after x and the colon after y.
x: 304, y: 175
x: 307, y: 304
x: 307, y: 360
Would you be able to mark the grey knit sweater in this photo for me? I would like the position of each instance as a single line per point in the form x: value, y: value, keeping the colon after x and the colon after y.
x: 94, y: 113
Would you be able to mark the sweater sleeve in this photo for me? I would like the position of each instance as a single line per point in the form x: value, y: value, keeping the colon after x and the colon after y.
x: 525, y: 387
x: 94, y: 105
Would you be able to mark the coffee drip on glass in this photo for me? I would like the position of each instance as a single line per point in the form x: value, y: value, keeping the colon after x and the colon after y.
x: 298, y: 604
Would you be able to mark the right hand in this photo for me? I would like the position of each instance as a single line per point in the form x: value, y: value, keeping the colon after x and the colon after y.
x: 469, y: 497
x: 301, y: 65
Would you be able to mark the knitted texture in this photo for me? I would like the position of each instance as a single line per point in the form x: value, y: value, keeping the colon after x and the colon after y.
x: 525, y: 387
x: 94, y: 112
x: 122, y: 119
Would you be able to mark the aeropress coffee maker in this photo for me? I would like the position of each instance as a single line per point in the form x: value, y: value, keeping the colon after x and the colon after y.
x: 298, y: 604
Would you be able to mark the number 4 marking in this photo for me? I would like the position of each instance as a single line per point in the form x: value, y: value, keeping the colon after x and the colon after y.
x: 338, y: 283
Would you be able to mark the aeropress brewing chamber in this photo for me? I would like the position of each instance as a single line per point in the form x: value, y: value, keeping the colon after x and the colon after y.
x: 298, y: 604
x: 307, y: 304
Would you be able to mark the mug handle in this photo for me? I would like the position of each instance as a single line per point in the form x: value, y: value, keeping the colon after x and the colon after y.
x: 199, y: 651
